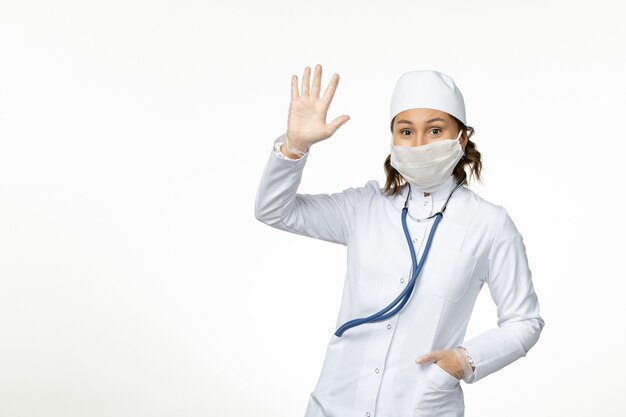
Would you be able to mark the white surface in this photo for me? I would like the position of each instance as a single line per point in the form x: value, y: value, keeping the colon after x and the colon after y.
x: 134, y: 278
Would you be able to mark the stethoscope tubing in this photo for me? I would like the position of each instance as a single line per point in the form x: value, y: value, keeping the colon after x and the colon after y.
x: 404, y: 296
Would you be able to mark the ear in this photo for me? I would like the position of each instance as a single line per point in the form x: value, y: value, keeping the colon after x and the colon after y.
x: 464, y: 140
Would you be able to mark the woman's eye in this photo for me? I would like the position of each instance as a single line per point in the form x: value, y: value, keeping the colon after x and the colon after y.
x: 404, y: 130
x: 435, y: 128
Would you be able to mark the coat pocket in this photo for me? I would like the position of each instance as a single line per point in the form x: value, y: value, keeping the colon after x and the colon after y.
x: 440, y: 378
x: 441, y: 395
x: 448, y: 272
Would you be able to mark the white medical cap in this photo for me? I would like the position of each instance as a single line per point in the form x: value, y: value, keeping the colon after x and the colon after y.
x: 427, y: 89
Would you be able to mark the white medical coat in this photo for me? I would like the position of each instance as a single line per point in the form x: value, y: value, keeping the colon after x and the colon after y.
x: 370, y: 371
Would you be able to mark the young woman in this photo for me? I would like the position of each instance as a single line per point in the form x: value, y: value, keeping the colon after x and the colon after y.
x: 419, y: 251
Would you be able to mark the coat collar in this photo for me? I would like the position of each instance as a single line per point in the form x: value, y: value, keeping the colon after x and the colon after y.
x: 439, y: 195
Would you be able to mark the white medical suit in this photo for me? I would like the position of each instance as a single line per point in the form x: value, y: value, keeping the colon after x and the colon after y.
x: 370, y: 371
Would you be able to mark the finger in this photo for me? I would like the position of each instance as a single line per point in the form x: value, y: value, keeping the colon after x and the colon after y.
x: 332, y: 87
x: 338, y: 122
x: 305, y: 81
x: 424, y: 359
x: 317, y: 81
x: 294, y: 87
x: 433, y: 356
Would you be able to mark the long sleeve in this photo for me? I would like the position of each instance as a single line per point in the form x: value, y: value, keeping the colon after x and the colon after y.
x: 327, y: 217
x: 519, y: 322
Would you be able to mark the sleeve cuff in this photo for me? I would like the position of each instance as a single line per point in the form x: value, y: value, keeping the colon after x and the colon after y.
x: 278, y: 142
x: 469, y: 378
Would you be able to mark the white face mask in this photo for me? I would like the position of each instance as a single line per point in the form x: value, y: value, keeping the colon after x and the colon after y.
x: 428, y: 166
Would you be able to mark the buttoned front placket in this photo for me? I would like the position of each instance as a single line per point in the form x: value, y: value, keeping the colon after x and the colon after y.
x: 419, y: 234
x: 375, y: 362
x: 378, y: 362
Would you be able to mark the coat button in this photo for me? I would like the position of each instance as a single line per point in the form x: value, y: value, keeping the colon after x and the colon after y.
x: 377, y: 370
x: 401, y: 280
x: 367, y: 414
x: 389, y: 326
x: 425, y: 203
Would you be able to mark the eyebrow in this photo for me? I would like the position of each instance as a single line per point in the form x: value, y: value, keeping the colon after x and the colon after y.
x: 435, y: 119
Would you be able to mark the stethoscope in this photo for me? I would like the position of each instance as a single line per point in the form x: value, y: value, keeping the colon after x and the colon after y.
x: 416, y: 268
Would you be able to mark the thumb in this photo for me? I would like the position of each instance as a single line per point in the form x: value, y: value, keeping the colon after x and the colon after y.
x: 338, y: 122
x: 433, y: 356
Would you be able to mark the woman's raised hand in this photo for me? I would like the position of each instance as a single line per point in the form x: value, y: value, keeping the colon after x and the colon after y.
x: 306, y: 124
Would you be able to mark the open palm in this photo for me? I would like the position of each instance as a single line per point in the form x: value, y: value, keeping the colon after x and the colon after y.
x: 306, y: 124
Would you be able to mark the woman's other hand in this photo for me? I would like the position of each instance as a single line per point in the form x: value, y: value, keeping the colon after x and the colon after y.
x: 306, y: 123
x: 453, y: 361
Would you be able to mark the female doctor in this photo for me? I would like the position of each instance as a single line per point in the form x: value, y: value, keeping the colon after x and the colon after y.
x: 419, y: 251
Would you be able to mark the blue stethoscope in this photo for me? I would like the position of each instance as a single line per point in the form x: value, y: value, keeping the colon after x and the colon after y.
x: 406, y: 294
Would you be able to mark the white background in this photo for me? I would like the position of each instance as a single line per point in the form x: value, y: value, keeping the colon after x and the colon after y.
x: 134, y: 277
